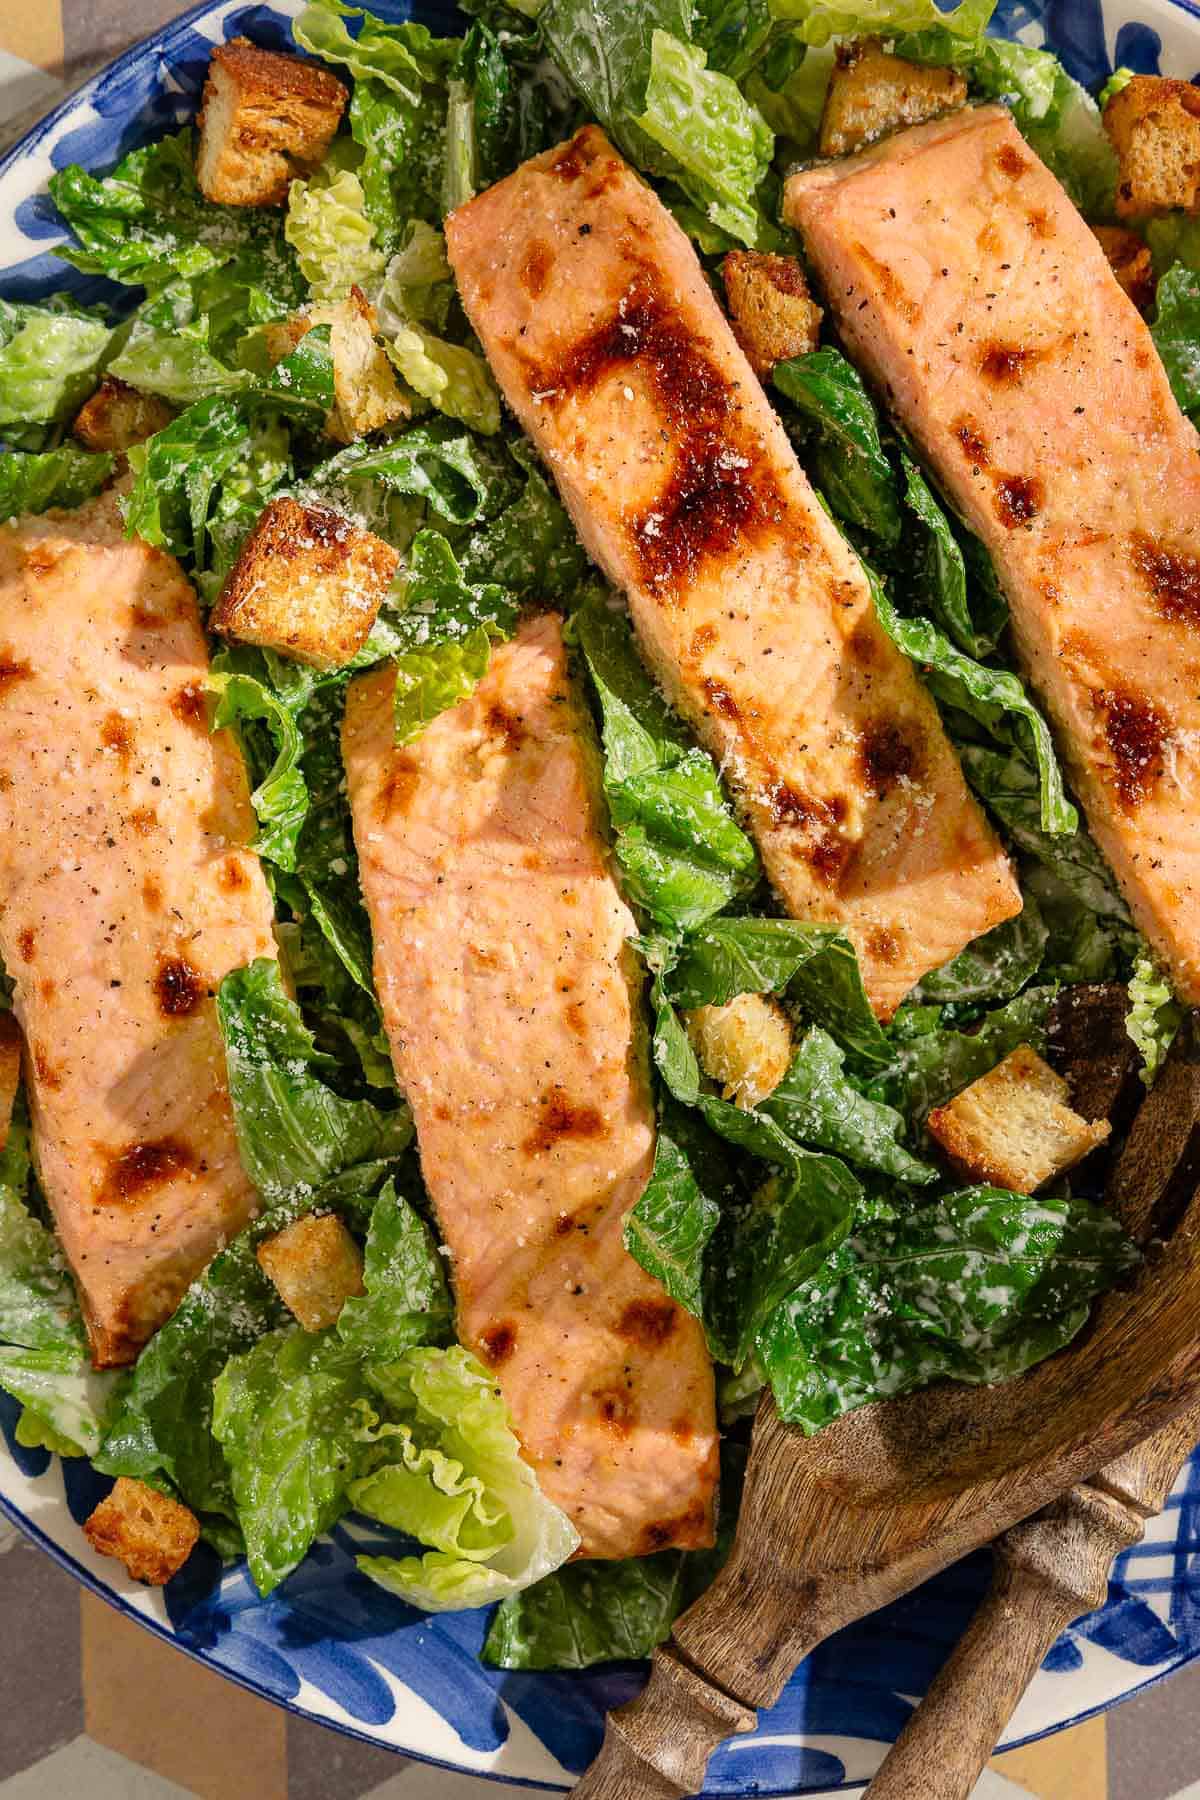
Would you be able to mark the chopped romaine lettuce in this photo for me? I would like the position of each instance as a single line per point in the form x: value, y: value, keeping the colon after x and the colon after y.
x: 1176, y: 332
x: 328, y: 227
x: 38, y: 1308
x: 452, y: 1475
x: 681, y: 852
x: 975, y: 1287
x: 407, y: 1301
x: 294, y: 1131
x: 147, y: 224
x: 50, y: 360
x: 1154, y: 1013
x: 719, y: 146
x: 287, y: 1415
x: 31, y: 481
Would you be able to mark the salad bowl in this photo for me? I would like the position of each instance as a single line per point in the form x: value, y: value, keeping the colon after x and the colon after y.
x: 329, y: 1644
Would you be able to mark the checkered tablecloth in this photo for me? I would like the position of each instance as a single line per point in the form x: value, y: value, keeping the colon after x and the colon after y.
x: 92, y: 1707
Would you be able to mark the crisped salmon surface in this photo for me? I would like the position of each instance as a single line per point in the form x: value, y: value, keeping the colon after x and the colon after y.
x: 126, y: 892
x: 750, y: 608
x: 511, y: 1001
x: 967, y: 284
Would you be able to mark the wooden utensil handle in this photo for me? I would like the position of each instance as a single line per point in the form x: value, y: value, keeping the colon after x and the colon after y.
x: 657, y: 1747
x: 1047, y: 1572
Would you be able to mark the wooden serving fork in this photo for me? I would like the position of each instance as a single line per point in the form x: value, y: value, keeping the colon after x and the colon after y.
x: 835, y: 1526
x: 1055, y: 1566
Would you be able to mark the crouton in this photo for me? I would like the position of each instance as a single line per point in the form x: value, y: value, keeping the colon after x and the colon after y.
x: 872, y: 92
x: 1130, y: 260
x: 149, y: 1532
x: 10, y: 1071
x: 117, y: 416
x: 307, y: 583
x: 316, y: 1266
x: 1154, y: 126
x: 746, y: 1045
x: 366, y: 393
x: 367, y: 396
x: 264, y: 119
x: 1014, y: 1127
x: 773, y: 314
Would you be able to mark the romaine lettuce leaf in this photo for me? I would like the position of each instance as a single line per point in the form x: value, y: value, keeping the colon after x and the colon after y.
x: 435, y: 677
x: 30, y: 481
x: 280, y: 796
x: 178, y: 472
x: 976, y: 1287
x: 847, y: 457
x: 931, y: 1062
x: 286, y: 1414
x: 403, y: 139
x: 444, y: 634
x: 1154, y: 1013
x: 435, y: 463
x: 328, y: 227
x: 669, y: 1229
x: 1009, y: 786
x: 681, y: 852
x: 762, y: 1251
x: 995, y: 698
x: 817, y: 22
x: 50, y: 360
x: 161, y: 1430
x: 148, y: 223
x: 454, y: 379
x: 401, y: 56
x: 816, y: 1105
x: 38, y: 1308
x: 407, y: 1301
x: 63, y: 1392
x: 1176, y: 333
x: 531, y: 548
x: 719, y: 147
x: 460, y: 1484
x: 293, y: 1130
x: 178, y: 366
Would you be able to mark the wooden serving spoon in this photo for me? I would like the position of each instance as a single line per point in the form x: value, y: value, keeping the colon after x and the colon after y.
x: 1055, y: 1566
x: 835, y: 1526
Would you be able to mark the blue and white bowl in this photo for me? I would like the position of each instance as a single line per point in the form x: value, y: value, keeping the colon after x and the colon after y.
x: 330, y: 1644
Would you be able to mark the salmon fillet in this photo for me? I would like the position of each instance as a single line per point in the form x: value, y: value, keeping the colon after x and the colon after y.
x: 511, y: 1002
x: 126, y: 893
x: 750, y: 608
x: 968, y: 285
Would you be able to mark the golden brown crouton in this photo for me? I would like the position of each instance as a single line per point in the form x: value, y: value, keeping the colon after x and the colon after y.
x: 118, y: 416
x: 10, y: 1071
x: 1154, y: 125
x: 265, y: 118
x: 1130, y: 260
x: 872, y: 92
x: 1013, y: 1128
x: 149, y: 1532
x: 307, y: 583
x: 745, y: 1045
x: 773, y: 314
x: 367, y: 396
x: 316, y: 1266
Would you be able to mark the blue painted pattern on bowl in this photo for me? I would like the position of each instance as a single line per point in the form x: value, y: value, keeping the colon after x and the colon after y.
x: 328, y: 1642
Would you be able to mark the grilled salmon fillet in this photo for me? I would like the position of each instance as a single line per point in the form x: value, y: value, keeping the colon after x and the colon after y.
x: 510, y: 999
x: 969, y: 286
x: 126, y: 892
x: 750, y: 608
